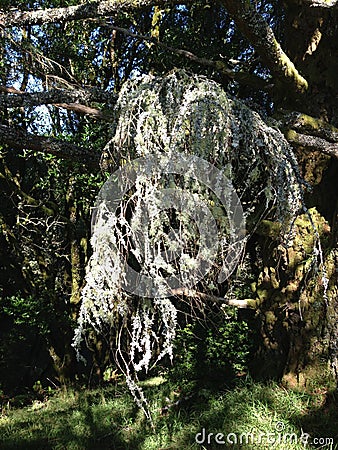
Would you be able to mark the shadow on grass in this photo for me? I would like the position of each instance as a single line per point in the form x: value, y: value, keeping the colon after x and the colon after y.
x: 279, y: 416
x: 79, y: 422
x: 105, y: 419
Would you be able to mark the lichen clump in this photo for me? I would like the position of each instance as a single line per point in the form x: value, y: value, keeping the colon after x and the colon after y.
x: 186, y: 115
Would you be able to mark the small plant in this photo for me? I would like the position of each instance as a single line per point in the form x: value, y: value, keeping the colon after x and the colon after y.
x: 111, y: 375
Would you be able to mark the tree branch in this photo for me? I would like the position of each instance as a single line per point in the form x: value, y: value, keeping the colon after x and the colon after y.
x: 53, y: 96
x: 315, y: 134
x: 85, y: 10
x: 66, y: 150
x: 333, y: 4
x: 306, y: 124
x: 312, y: 143
x: 61, y: 98
x: 257, y: 31
x: 247, y: 303
x: 220, y: 66
x: 82, y: 109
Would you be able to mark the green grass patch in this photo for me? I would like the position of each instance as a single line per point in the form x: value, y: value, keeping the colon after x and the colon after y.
x: 250, y: 416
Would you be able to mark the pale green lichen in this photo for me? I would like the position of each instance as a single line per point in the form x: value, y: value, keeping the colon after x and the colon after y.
x: 164, y: 116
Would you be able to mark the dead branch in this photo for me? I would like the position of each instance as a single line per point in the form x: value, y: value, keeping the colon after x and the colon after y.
x: 53, y: 96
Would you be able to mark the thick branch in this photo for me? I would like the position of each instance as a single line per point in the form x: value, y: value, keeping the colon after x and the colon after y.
x: 82, y: 109
x: 85, y: 10
x: 257, y: 31
x: 312, y: 143
x: 306, y: 125
x: 53, y: 96
x: 58, y: 98
x: 63, y: 149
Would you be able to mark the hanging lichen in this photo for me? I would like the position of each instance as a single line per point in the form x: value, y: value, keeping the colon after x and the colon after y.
x: 136, y: 231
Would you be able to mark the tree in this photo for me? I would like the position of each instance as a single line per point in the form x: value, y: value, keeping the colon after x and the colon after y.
x: 279, y: 57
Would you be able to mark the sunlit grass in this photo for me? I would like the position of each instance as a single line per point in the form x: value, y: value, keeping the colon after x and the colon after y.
x: 109, y: 419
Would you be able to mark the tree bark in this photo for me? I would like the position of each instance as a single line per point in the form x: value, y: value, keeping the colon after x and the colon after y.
x: 257, y: 31
x: 307, y: 124
x: 87, y: 10
x: 62, y: 149
x: 310, y: 36
x: 18, y: 98
x: 312, y: 143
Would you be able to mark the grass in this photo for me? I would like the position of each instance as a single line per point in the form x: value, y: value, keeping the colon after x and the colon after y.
x: 107, y: 418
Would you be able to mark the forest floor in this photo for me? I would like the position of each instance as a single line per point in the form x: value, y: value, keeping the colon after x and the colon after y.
x: 248, y: 416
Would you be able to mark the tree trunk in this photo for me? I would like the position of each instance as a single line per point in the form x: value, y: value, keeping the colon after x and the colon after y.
x: 298, y: 311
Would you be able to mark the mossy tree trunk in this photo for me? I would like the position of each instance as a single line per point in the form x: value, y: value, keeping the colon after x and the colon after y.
x: 298, y: 314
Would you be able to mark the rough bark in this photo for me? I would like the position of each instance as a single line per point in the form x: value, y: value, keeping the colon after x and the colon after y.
x: 257, y: 31
x: 307, y: 125
x: 310, y: 36
x: 85, y: 10
x: 293, y: 303
x: 305, y: 331
x: 66, y: 150
x: 18, y: 98
x: 312, y: 143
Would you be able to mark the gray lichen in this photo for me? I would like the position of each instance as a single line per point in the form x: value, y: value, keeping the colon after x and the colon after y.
x: 188, y: 115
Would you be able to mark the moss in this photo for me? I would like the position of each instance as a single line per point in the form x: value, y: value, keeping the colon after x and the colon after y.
x: 262, y: 294
x: 314, y: 124
x: 291, y: 135
x: 269, y: 228
x: 290, y: 296
x: 290, y: 70
x: 270, y: 318
x: 251, y: 303
x: 273, y: 278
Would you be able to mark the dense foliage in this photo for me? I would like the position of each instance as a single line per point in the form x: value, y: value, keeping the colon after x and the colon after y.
x: 67, y: 88
x: 45, y: 211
